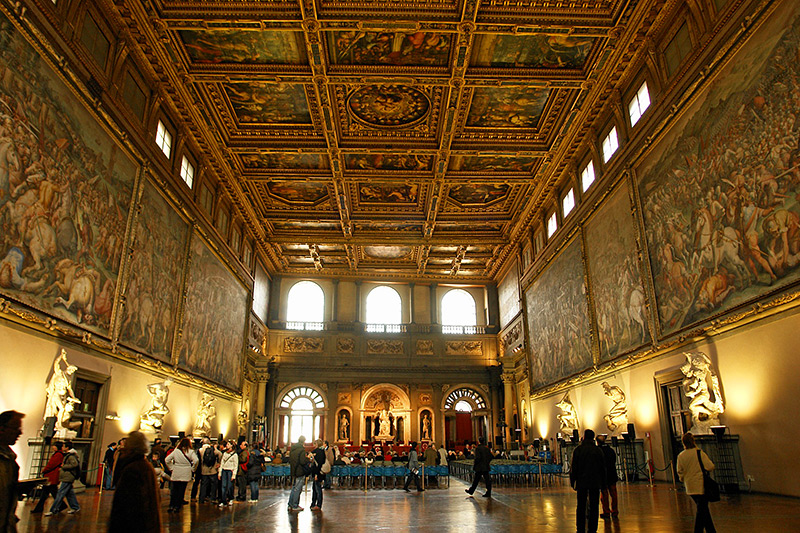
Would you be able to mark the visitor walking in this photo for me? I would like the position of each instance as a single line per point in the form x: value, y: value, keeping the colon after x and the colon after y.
x: 182, y: 462
x: 70, y: 471
x: 298, y: 469
x: 255, y: 465
x: 210, y: 459
x: 10, y: 430
x: 51, y: 471
x: 318, y: 477
x: 227, y: 473
x: 608, y: 494
x: 587, y: 475
x: 481, y: 466
x: 691, y: 473
x: 136, y: 504
x: 413, y: 469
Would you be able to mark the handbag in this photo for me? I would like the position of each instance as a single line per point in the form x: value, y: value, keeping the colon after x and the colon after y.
x: 710, y: 487
x: 326, y: 467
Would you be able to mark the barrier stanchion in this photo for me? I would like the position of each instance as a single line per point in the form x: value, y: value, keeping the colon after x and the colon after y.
x: 366, y: 476
x: 423, y: 477
x: 101, y: 470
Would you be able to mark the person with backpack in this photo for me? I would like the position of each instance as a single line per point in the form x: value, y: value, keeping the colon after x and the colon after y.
x: 255, y: 465
x: 210, y: 459
x: 70, y: 471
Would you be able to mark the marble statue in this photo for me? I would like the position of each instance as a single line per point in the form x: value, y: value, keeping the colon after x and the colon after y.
x: 426, y: 426
x: 241, y: 422
x: 701, y: 386
x: 206, y: 412
x: 344, y: 427
x: 61, y: 399
x: 617, y: 416
x: 152, y: 420
x: 569, y: 418
x: 385, y: 427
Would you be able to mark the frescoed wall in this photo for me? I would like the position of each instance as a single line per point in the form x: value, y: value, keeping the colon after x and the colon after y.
x: 213, y: 319
x: 720, y: 190
x: 508, y: 296
x: 150, y: 312
x: 65, y: 193
x: 620, y: 304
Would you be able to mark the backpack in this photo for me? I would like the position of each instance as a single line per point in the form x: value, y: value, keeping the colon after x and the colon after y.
x: 77, y: 471
x: 209, y: 457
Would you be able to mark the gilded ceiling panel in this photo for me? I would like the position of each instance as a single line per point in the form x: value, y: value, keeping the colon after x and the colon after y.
x: 388, y: 193
x: 478, y: 194
x: 388, y: 252
x: 256, y: 103
x: 387, y: 161
x: 380, y: 227
x: 306, y: 225
x: 389, y: 48
x: 507, y: 107
x: 472, y: 163
x: 264, y: 162
x: 301, y: 192
x: 243, y: 47
x: 392, y: 106
x: 533, y: 51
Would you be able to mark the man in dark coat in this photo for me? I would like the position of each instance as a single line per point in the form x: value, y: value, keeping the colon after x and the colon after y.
x: 10, y: 430
x: 136, y: 506
x: 588, y: 477
x: 108, y: 466
x: 298, y: 459
x: 483, y: 457
x: 610, y: 488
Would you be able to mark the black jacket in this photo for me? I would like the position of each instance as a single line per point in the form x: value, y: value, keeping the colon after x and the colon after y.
x: 588, y: 467
x: 483, y: 456
x: 610, y: 457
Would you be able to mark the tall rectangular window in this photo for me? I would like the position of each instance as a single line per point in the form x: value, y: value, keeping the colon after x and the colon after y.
x: 94, y: 41
x: 187, y: 171
x: 552, y: 225
x: 568, y: 202
x: 587, y: 176
x: 610, y: 144
x: 639, y: 103
x: 677, y: 49
x: 164, y: 139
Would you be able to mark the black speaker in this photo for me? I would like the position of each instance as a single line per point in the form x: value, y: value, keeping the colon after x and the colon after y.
x: 632, y: 432
x: 498, y: 440
x: 181, y: 434
x: 49, y: 426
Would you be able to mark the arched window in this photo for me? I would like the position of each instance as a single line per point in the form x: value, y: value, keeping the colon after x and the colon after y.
x: 303, y: 418
x: 384, y: 310
x: 305, y: 308
x: 458, y: 312
x: 459, y: 397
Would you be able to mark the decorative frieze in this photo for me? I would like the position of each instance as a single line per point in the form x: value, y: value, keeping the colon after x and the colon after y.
x: 463, y: 348
x: 424, y: 347
x: 302, y: 345
x: 384, y: 347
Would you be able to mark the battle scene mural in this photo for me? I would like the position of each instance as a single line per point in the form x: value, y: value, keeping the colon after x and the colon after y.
x: 390, y: 193
x: 307, y: 192
x: 65, y: 193
x: 276, y: 161
x: 534, y: 51
x: 558, y: 319
x: 515, y: 107
x: 478, y: 193
x: 617, y: 291
x: 243, y: 47
x: 153, y: 290
x: 388, y: 162
x: 497, y: 163
x: 213, y: 319
x: 720, y: 191
x: 262, y: 103
x: 389, y: 48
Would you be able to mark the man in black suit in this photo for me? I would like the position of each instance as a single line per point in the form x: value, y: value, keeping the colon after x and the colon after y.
x: 588, y: 477
x: 483, y: 456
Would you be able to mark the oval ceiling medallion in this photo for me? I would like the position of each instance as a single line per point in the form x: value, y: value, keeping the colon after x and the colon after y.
x: 387, y: 252
x: 389, y: 106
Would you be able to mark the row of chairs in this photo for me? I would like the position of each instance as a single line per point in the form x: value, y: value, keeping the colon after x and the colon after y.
x: 352, y: 476
x: 514, y: 474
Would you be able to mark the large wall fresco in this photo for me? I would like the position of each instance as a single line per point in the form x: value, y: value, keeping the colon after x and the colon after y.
x: 243, y: 47
x: 389, y: 48
x: 535, y: 51
x: 65, y: 192
x: 263, y: 103
x: 720, y: 191
x: 213, y: 319
x: 616, y: 281
x: 515, y: 107
x: 508, y: 297
x: 558, y: 319
x: 153, y: 290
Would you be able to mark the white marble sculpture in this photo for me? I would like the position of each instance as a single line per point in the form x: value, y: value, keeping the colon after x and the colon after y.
x: 385, y: 428
x: 426, y: 427
x: 206, y: 412
x: 241, y: 422
x: 61, y: 399
x: 569, y: 417
x: 344, y: 427
x: 701, y: 386
x: 617, y: 416
x: 152, y: 420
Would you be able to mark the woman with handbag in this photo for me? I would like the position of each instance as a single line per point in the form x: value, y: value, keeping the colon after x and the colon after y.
x: 693, y: 466
x: 183, y: 462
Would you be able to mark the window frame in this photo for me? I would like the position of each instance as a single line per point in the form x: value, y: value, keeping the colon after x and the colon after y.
x: 167, y: 134
x: 635, y: 99
x: 188, y: 161
x: 102, y: 29
x: 569, y: 194
x: 584, y: 171
x: 681, y: 20
x: 310, y: 325
x: 383, y: 327
x: 463, y: 329
x: 612, y: 132
x: 553, y: 218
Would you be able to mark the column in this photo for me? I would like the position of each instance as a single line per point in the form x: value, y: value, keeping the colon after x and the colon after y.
x: 411, y: 301
x: 335, y: 301
x: 358, y: 302
x: 433, y: 304
x: 274, y: 301
x: 493, y: 429
x: 508, y: 391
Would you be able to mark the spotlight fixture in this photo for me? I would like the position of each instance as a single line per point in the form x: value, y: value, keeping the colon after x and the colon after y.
x: 719, y: 431
x: 614, y: 440
x: 626, y: 436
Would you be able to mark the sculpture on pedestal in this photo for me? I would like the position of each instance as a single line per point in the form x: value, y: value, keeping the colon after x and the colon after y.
x: 61, y: 399
x: 152, y: 420
x: 344, y: 426
x: 206, y: 412
x: 385, y: 429
x: 701, y: 386
x: 426, y: 426
x: 569, y: 418
x: 617, y: 417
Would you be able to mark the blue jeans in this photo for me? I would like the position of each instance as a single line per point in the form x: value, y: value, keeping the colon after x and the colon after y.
x: 316, y: 492
x: 65, y: 490
x: 227, y: 486
x: 297, y: 488
x: 108, y: 478
x: 254, y: 489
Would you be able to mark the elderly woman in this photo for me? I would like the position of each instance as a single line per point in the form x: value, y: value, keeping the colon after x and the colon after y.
x: 691, y: 474
x: 182, y: 461
x: 135, y: 507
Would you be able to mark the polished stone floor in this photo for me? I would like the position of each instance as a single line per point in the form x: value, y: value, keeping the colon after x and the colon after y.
x: 657, y: 509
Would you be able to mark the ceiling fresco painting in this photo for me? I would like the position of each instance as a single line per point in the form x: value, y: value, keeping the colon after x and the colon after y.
x: 298, y: 191
x: 378, y: 227
x: 388, y: 162
x: 277, y: 161
x: 389, y: 105
x: 261, y: 103
x: 387, y: 252
x: 243, y: 47
x: 534, y: 51
x: 394, y: 193
x: 478, y: 193
x: 474, y: 163
x: 292, y: 225
x: 514, y: 107
x: 389, y: 48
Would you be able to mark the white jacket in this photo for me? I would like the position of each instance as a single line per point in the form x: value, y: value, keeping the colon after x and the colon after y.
x: 689, y: 470
x: 182, y: 465
x: 230, y: 461
x: 442, y: 456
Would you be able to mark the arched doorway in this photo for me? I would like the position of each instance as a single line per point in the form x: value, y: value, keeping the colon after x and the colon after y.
x: 465, y: 417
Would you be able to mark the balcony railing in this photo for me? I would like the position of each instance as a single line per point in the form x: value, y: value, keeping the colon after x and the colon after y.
x: 385, y: 328
x: 464, y: 330
x: 308, y: 326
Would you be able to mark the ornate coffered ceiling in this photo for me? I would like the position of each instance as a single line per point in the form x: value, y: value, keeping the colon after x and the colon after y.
x: 410, y: 139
